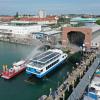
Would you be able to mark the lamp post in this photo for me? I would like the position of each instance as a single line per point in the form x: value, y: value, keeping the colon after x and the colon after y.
x: 83, y: 49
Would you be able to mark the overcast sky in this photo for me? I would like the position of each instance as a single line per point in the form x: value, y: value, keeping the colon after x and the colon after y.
x: 10, y: 7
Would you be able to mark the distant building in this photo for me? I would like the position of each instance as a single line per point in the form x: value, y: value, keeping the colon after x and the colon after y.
x: 42, y: 14
x: 19, y: 31
x: 50, y: 36
x: 6, y: 18
x: 80, y: 19
x: 41, y: 21
x: 45, y: 28
x: 87, y: 16
x: 17, y: 22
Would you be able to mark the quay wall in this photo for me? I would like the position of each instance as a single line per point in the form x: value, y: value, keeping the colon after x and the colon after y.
x: 25, y: 41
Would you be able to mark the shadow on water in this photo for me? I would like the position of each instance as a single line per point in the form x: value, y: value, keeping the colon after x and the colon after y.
x: 32, y: 79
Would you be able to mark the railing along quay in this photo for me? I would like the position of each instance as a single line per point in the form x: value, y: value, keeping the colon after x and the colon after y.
x: 69, y: 83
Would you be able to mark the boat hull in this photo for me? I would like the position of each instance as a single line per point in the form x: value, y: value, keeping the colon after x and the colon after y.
x: 48, y: 71
x: 9, y: 76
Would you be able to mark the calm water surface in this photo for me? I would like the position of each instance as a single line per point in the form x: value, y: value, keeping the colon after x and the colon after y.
x: 17, y: 88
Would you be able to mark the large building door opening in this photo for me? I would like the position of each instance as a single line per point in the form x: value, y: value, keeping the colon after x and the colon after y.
x: 76, y: 38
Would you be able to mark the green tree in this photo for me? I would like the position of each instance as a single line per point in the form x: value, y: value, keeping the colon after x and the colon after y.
x: 98, y: 22
x: 17, y: 15
x: 63, y: 20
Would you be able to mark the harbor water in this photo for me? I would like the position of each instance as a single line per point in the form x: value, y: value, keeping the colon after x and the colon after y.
x: 19, y: 88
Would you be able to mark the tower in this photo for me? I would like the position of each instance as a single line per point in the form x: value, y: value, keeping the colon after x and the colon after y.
x: 42, y: 13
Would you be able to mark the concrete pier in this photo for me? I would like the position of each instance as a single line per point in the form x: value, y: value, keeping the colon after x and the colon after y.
x: 87, y: 65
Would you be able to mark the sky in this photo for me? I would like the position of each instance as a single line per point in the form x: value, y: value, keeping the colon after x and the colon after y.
x: 10, y: 7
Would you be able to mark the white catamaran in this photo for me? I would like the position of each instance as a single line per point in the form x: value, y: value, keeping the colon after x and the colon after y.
x: 45, y: 62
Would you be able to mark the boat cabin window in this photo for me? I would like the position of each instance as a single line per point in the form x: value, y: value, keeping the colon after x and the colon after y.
x: 52, y: 64
x: 63, y: 56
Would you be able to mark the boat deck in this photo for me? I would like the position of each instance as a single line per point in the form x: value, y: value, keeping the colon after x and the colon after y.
x: 44, y: 58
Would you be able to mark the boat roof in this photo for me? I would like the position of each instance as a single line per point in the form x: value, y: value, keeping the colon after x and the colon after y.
x: 46, y: 57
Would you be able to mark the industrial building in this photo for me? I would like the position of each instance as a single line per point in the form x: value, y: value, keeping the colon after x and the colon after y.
x: 19, y: 31
x: 21, y: 34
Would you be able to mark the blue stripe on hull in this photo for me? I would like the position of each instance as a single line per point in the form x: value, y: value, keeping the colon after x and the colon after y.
x: 41, y: 75
x: 28, y: 72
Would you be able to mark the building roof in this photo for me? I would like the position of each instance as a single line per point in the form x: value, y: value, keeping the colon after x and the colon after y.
x: 51, y: 32
x: 49, y: 18
x: 6, y: 18
x: 84, y: 19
